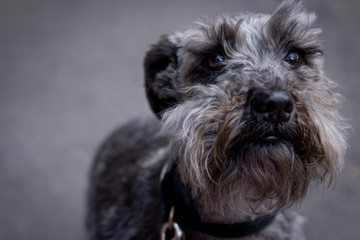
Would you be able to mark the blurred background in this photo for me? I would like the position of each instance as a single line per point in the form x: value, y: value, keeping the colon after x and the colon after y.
x: 71, y: 72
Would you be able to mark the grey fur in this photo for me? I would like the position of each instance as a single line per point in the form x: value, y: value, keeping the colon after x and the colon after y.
x: 215, y: 135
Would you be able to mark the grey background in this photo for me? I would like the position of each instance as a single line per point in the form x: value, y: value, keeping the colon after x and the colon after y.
x: 71, y: 71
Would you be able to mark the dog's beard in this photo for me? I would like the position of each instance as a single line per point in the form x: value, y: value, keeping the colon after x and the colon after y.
x: 229, y: 163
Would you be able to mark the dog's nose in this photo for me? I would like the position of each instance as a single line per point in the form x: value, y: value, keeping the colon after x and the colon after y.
x: 275, y: 107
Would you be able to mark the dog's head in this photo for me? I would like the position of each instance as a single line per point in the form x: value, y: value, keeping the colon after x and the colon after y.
x: 249, y: 111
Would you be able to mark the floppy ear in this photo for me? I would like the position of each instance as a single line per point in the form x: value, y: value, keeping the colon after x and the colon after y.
x: 161, y: 73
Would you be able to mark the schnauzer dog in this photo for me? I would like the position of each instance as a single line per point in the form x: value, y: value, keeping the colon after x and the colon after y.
x: 248, y: 121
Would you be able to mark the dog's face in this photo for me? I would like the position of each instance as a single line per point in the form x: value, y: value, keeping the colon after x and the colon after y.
x: 250, y: 114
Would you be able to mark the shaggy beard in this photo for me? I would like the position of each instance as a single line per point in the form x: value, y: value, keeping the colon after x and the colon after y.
x: 268, y: 176
x: 228, y: 169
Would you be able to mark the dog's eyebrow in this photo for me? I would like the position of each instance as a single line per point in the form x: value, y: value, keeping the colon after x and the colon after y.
x: 206, y: 50
x: 217, y: 37
x: 291, y: 21
x: 292, y: 30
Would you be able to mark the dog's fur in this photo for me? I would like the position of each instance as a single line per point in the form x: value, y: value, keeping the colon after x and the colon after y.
x: 238, y: 164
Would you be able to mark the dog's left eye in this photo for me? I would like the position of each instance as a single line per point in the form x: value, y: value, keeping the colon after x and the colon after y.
x: 294, y: 59
x: 216, y: 61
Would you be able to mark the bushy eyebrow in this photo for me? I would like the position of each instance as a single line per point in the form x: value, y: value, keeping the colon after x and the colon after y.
x: 207, y: 50
x: 290, y: 27
x: 214, y: 38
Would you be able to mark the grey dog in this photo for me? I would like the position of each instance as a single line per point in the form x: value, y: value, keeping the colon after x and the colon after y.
x: 248, y: 121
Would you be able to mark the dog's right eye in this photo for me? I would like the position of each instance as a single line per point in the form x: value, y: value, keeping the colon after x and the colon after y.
x: 216, y: 61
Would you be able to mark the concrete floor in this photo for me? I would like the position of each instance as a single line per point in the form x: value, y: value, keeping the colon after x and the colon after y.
x: 71, y: 71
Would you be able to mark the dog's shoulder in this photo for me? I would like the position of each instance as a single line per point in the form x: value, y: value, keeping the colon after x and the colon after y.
x: 125, y: 182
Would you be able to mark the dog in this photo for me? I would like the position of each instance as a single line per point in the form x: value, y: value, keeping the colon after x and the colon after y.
x: 248, y: 121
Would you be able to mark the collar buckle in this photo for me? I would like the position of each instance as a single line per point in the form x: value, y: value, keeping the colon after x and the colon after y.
x: 170, y: 230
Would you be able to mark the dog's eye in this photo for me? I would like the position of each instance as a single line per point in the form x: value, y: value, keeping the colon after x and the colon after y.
x: 216, y: 61
x: 294, y: 59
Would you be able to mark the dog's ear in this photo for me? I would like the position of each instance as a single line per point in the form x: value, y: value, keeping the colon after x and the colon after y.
x: 161, y: 73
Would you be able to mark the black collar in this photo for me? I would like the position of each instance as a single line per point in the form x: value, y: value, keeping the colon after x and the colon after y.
x: 176, y: 194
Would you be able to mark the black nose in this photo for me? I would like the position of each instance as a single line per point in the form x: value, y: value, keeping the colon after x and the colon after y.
x: 275, y: 107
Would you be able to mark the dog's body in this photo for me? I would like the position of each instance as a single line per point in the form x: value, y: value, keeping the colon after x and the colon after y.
x: 248, y: 121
